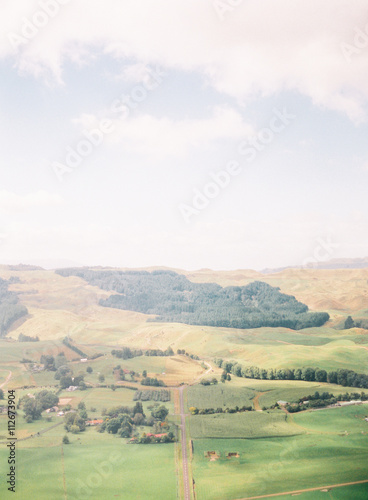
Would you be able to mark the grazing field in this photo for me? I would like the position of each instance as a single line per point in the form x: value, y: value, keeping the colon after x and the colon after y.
x: 242, y: 425
x: 267, y: 466
x: 271, y: 451
x: 94, y: 466
x: 349, y: 419
x: 222, y: 395
x: 292, y: 394
x: 171, y: 369
x: 68, y: 306
x: 355, y: 492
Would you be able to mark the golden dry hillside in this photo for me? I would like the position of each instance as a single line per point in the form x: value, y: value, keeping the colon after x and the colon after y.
x: 61, y: 306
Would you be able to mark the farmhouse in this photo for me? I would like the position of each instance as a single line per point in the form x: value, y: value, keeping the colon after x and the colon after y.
x: 96, y: 421
x: 53, y: 409
x: 348, y: 403
x: 282, y: 403
x: 84, y: 360
x: 156, y: 435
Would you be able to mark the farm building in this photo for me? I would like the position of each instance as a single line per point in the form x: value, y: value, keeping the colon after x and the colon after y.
x: 96, y: 421
x: 53, y: 409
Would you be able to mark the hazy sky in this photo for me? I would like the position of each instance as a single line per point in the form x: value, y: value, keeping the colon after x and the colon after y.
x: 224, y: 133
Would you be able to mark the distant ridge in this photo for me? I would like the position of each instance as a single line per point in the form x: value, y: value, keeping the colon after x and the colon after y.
x: 357, y: 263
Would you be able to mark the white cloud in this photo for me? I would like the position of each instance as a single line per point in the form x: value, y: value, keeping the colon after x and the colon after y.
x: 13, y: 202
x: 150, y: 135
x: 259, y: 49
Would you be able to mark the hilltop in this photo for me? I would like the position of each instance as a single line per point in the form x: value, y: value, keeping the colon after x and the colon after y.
x: 173, y: 298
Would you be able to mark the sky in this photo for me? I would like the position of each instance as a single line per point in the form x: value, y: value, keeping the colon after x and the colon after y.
x: 221, y: 134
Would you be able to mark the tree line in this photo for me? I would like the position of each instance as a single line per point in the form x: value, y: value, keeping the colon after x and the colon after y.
x: 341, y: 376
x: 27, y: 338
x: 318, y: 400
x: 10, y: 308
x: 161, y: 395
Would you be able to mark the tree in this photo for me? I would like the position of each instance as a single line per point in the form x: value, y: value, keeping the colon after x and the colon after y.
x: 89, y: 369
x: 62, y: 371
x: 138, y: 408
x: 32, y: 409
x: 48, y: 362
x: 66, y: 439
x: 1, y: 394
x: 78, y: 379
x: 160, y: 414
x: 308, y: 374
x: 321, y: 375
x: 101, y: 378
x: 60, y: 360
x: 349, y: 323
x: 66, y: 382
x: 144, y: 373
x: 47, y: 399
x: 332, y: 377
x: 113, y: 425
x: 74, y: 420
x: 138, y: 419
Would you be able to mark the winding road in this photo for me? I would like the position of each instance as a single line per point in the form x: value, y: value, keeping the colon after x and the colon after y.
x: 7, y: 379
x: 184, y: 448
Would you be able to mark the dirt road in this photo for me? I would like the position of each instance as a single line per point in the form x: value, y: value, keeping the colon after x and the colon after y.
x: 295, y: 492
x: 7, y: 379
x: 184, y: 448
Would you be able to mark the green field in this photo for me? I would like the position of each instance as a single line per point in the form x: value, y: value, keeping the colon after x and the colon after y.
x: 242, y: 425
x: 292, y: 394
x: 277, y: 452
x: 355, y: 492
x: 222, y: 395
x: 275, y: 465
x: 106, y: 465
x: 332, y: 449
x: 348, y: 419
x: 94, y: 467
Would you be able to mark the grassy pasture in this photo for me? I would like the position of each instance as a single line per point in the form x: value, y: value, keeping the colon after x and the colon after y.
x: 59, y: 306
x: 68, y: 306
x: 335, y: 420
x: 221, y: 395
x: 94, y: 466
x: 356, y: 492
x: 267, y: 466
x: 292, y: 394
x: 242, y: 425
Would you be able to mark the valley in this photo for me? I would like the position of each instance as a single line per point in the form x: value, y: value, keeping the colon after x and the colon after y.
x: 226, y: 439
